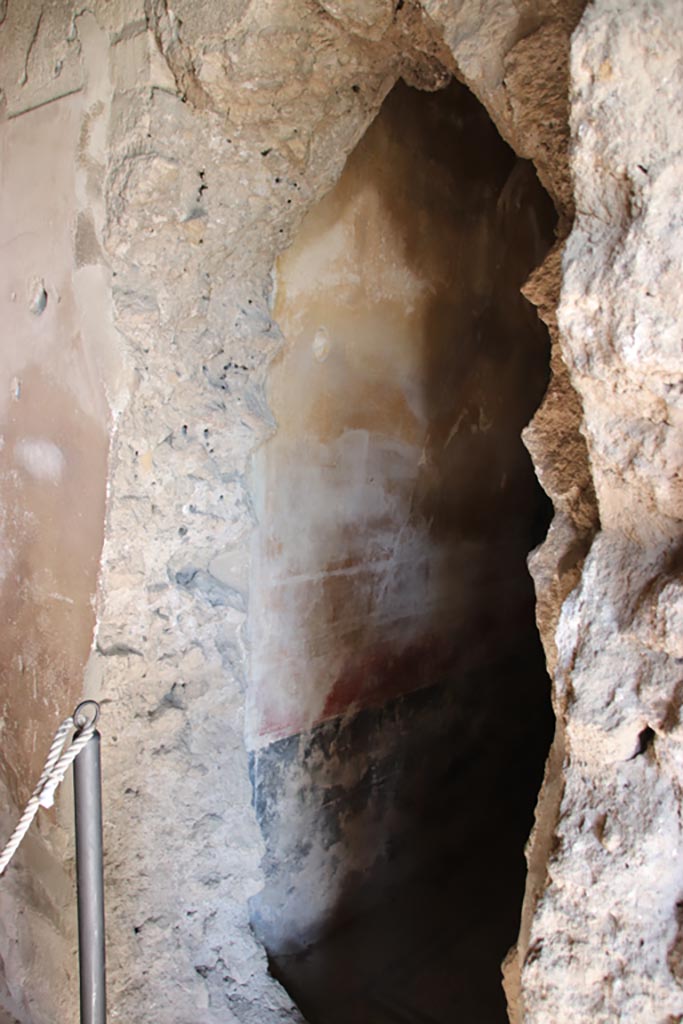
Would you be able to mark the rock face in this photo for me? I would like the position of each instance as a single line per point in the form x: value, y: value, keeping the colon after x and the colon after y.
x: 604, y: 942
x: 202, y: 136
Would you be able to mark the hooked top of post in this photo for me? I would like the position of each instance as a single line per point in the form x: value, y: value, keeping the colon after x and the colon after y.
x: 84, y: 718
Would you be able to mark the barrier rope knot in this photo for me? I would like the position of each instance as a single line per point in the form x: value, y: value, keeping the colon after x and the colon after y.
x: 57, y: 764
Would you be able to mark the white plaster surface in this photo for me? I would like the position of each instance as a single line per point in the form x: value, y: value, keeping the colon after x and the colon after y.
x: 43, y: 459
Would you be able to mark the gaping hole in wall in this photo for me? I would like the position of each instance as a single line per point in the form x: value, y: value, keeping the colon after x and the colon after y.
x: 399, y: 715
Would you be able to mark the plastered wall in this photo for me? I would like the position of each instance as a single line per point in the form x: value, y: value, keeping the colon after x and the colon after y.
x: 396, y: 501
x: 396, y: 508
x: 55, y: 431
x: 61, y: 377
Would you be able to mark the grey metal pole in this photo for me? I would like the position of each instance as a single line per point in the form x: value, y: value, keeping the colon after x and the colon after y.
x: 89, y: 876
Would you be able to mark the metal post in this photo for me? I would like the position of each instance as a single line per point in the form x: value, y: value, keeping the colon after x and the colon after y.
x: 89, y: 875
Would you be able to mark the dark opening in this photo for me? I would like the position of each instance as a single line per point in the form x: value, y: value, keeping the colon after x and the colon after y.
x: 400, y: 717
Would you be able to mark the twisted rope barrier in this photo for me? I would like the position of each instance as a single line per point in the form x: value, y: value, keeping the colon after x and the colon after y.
x: 56, y: 767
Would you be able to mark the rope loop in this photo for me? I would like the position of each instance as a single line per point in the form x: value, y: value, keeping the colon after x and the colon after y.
x: 57, y: 764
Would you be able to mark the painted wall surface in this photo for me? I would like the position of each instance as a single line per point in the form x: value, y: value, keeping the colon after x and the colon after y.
x: 60, y: 375
x: 392, y: 609
x: 396, y: 500
x: 59, y: 371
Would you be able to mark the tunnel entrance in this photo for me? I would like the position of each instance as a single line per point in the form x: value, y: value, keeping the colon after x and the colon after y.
x: 399, y: 714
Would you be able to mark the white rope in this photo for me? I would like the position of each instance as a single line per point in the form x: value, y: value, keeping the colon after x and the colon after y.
x: 56, y: 767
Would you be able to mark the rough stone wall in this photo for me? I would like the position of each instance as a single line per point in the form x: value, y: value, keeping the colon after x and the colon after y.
x: 605, y: 940
x: 224, y: 122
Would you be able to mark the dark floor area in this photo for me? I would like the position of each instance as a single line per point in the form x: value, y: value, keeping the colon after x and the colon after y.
x: 429, y: 954
x: 428, y: 949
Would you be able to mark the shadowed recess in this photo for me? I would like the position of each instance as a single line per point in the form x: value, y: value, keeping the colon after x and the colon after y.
x: 399, y: 716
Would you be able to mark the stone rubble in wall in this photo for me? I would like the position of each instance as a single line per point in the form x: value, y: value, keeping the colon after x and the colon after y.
x: 187, y: 859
